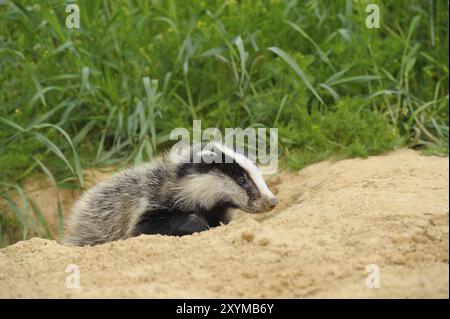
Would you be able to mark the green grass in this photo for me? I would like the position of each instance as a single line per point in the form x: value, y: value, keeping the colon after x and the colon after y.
x: 110, y: 92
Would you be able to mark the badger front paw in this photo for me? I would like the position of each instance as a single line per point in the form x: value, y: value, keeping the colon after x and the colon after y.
x: 170, y: 222
x: 192, y: 223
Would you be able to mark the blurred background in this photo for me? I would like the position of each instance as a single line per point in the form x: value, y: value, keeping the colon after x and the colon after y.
x: 73, y: 101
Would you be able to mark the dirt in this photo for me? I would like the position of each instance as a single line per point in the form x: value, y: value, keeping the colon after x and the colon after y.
x: 337, y: 224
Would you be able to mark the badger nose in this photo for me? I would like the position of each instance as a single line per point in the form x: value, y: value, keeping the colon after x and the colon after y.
x: 272, y: 202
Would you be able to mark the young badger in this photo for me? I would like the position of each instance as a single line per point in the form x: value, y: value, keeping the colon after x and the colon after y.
x: 170, y: 197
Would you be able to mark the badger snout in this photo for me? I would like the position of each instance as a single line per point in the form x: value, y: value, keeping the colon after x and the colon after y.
x: 261, y: 205
x: 271, y: 203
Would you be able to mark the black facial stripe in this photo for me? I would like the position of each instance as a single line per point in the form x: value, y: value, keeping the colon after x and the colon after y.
x: 251, y: 189
x: 228, y: 166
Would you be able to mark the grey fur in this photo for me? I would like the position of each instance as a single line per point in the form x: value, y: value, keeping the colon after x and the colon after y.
x: 110, y: 210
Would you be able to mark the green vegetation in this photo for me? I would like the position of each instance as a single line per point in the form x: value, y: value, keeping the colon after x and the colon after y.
x: 110, y: 92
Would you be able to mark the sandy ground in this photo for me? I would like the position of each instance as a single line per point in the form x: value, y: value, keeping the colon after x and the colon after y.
x: 334, y: 219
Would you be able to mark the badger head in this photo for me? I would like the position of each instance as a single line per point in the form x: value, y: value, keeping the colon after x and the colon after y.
x: 222, y: 177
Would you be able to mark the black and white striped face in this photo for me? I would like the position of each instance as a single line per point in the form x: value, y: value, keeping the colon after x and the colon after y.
x: 222, y: 177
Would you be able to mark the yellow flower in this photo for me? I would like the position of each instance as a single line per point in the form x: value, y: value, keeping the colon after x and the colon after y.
x: 200, y: 24
x: 393, y: 132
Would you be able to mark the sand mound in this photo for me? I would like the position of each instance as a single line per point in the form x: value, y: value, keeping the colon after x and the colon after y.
x: 333, y: 221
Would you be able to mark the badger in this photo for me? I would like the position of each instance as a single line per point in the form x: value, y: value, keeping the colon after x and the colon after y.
x: 170, y: 195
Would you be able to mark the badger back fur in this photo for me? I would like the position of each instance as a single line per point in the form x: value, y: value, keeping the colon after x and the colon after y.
x: 169, y: 196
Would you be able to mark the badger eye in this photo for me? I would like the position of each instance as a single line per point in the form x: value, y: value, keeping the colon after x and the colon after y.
x: 241, y: 180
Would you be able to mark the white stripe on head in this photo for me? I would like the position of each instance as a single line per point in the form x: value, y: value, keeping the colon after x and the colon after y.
x: 252, y: 170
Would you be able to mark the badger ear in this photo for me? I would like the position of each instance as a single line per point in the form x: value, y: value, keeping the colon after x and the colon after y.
x: 206, y: 153
x: 208, y: 156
